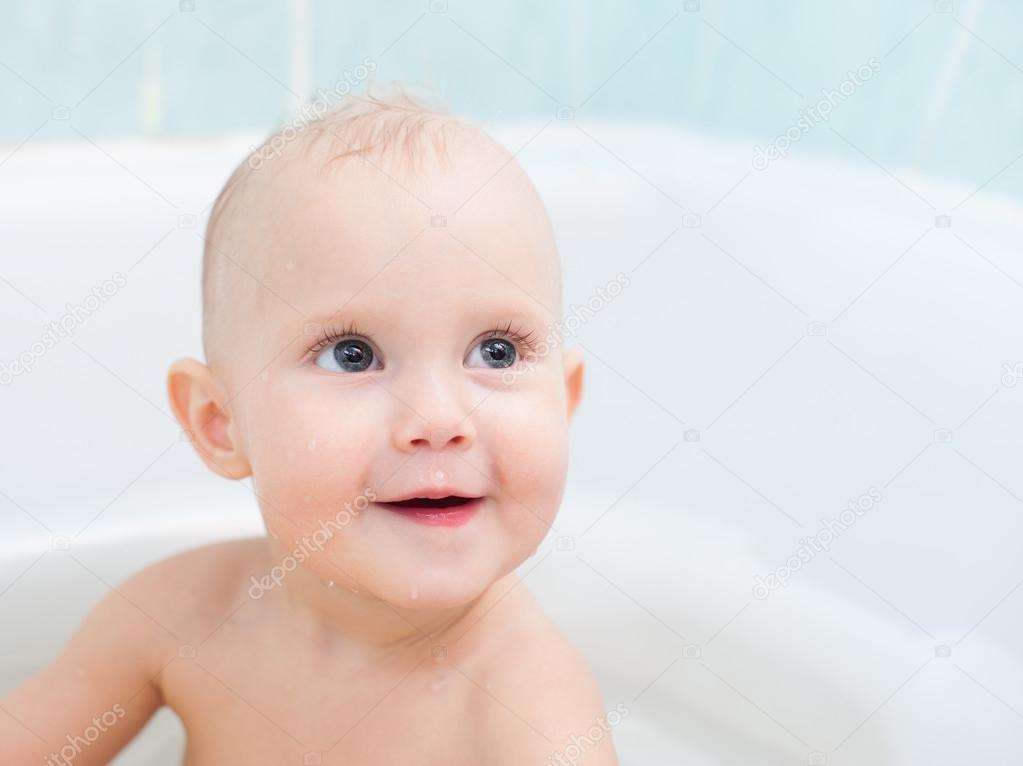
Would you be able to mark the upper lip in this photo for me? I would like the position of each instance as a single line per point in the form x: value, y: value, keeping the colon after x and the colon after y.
x: 433, y: 493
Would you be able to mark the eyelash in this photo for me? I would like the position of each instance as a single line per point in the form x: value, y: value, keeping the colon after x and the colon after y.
x: 330, y: 335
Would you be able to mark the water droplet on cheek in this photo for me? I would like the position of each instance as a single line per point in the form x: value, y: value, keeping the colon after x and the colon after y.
x: 437, y: 685
x: 312, y: 444
x: 415, y: 593
x: 328, y: 583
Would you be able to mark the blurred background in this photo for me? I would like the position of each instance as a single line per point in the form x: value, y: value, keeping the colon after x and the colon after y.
x: 816, y: 207
x: 154, y: 70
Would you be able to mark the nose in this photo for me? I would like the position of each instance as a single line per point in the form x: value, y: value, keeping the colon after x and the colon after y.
x: 433, y: 416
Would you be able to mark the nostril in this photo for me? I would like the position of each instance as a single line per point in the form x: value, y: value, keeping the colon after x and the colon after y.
x: 439, y: 437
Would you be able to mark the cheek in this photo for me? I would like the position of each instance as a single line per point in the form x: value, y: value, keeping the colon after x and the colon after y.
x: 527, y: 438
x: 309, y: 452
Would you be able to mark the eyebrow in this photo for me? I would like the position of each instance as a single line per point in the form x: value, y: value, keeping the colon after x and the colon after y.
x: 364, y: 318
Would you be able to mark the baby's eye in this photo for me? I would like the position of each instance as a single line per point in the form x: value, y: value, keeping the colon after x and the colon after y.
x: 492, y: 352
x: 350, y: 355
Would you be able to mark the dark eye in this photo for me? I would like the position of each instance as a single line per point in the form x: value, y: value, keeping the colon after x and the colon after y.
x: 495, y: 353
x: 350, y: 355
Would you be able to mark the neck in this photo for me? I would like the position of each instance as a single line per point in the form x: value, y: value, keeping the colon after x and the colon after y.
x: 343, y: 614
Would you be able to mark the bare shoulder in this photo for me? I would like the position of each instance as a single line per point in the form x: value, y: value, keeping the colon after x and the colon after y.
x: 114, y: 660
x: 536, y: 695
x: 185, y: 596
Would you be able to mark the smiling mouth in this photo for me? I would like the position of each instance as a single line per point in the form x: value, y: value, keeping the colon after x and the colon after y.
x: 448, y: 511
x: 450, y: 501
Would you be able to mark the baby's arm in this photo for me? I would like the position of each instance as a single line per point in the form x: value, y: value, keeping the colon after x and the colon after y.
x: 96, y: 695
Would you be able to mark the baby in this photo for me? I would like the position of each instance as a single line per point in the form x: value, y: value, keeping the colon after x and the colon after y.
x: 379, y: 293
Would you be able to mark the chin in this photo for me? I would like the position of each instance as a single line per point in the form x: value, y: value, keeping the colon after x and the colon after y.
x: 437, y: 587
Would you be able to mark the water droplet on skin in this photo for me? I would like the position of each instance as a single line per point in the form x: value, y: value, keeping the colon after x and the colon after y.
x: 264, y: 376
x: 415, y: 593
x: 312, y: 444
x: 328, y: 583
x: 305, y: 498
x: 437, y: 685
x: 438, y: 475
x: 290, y: 265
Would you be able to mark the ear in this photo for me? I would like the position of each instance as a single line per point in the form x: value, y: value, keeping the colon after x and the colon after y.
x: 198, y: 402
x: 574, y: 366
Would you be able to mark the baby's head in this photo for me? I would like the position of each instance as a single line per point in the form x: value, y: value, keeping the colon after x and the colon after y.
x: 381, y: 298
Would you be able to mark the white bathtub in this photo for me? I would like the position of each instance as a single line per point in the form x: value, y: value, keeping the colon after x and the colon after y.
x: 728, y: 415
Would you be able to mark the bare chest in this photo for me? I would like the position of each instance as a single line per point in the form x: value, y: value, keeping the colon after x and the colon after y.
x: 241, y: 706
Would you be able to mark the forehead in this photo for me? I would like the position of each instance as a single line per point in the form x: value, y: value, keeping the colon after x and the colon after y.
x: 469, y: 231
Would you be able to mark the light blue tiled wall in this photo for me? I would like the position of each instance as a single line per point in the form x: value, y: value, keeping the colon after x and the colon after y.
x: 948, y: 98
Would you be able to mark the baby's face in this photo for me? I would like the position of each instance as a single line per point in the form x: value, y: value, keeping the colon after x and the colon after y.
x: 435, y: 390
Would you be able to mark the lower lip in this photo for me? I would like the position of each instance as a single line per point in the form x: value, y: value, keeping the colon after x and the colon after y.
x: 455, y: 516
